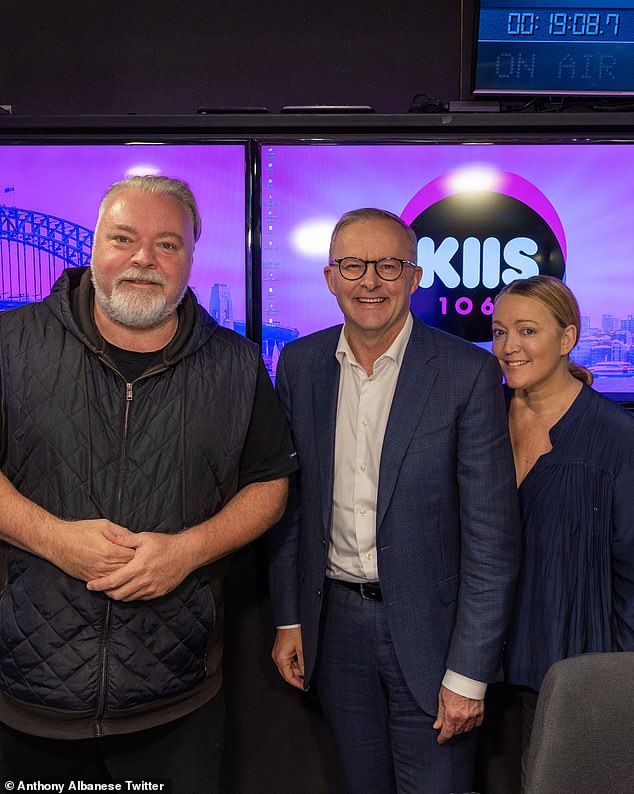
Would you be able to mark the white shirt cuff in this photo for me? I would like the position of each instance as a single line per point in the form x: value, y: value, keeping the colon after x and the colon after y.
x: 290, y: 626
x: 461, y: 685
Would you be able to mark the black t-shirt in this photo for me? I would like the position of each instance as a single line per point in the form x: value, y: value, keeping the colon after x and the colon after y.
x: 132, y: 364
x: 268, y: 451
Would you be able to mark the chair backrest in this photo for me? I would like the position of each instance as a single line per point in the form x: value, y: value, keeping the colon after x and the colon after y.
x: 583, y: 735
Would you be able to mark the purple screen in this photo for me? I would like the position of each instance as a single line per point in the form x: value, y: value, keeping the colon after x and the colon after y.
x: 50, y: 194
x: 581, y: 194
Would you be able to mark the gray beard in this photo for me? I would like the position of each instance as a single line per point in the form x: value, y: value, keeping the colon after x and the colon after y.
x: 134, y: 308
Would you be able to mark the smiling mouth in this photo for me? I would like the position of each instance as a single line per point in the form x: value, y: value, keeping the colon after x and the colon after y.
x: 516, y: 363
x: 370, y: 300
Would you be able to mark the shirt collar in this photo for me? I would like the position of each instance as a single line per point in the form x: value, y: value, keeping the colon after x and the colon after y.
x: 395, y: 351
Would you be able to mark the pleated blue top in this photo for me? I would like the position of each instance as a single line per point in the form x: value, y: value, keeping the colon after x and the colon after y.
x: 576, y: 586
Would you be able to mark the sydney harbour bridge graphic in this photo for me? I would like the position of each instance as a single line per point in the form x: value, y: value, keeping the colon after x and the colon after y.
x: 35, y: 247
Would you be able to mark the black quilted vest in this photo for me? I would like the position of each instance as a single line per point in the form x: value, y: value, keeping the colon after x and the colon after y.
x: 160, y: 456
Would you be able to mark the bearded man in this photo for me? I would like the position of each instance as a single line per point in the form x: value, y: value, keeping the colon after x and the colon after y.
x: 140, y: 444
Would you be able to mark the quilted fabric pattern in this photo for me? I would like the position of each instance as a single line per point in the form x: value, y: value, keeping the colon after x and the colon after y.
x: 163, y: 640
x: 49, y: 634
x: 163, y: 461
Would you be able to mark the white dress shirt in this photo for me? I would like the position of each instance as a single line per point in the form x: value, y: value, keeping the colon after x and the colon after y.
x: 363, y: 409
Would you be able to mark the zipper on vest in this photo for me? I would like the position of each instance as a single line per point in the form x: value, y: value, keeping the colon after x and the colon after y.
x: 129, y: 396
x: 120, y: 479
x: 103, y: 675
x: 124, y: 448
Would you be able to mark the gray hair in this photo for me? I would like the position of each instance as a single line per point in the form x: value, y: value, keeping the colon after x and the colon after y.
x: 160, y: 186
x: 372, y: 214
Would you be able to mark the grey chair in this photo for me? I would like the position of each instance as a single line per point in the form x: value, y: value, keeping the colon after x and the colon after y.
x: 583, y: 735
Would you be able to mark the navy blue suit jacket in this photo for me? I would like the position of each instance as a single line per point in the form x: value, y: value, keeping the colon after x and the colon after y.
x: 448, y: 532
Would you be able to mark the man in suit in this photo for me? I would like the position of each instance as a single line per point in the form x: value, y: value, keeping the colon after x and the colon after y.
x: 393, y: 571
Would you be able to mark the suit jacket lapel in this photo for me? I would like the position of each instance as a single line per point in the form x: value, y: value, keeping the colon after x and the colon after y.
x: 325, y: 383
x: 413, y: 390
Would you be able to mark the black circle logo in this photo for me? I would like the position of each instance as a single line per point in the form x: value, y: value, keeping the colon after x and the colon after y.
x: 472, y: 243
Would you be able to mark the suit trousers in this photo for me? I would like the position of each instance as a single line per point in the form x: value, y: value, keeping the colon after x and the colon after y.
x: 184, y: 755
x: 386, y: 741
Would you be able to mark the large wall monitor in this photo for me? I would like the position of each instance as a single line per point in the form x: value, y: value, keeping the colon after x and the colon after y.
x: 483, y: 214
x: 49, y: 196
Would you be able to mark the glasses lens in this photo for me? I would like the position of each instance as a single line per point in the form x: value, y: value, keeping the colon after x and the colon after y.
x: 352, y: 268
x: 389, y: 269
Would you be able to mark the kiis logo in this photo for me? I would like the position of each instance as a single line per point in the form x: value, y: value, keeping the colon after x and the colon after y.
x: 480, y: 262
x: 478, y: 229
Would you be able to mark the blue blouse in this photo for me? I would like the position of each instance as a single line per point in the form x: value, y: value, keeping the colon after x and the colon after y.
x: 576, y: 586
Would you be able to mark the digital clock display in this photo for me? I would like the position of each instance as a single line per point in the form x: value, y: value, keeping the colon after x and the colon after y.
x: 567, y: 48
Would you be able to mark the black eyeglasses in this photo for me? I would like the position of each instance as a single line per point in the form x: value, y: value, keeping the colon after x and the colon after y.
x: 388, y: 269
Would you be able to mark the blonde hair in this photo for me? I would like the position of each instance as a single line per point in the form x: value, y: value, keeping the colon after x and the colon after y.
x: 561, y: 303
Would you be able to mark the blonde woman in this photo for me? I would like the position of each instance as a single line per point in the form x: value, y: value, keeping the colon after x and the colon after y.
x: 574, y: 459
